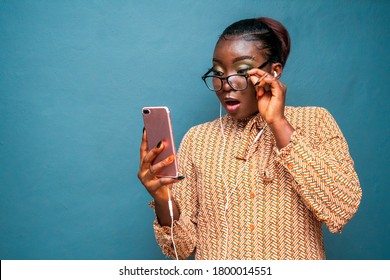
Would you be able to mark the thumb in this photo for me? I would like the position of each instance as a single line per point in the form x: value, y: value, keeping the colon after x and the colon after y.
x: 259, y: 92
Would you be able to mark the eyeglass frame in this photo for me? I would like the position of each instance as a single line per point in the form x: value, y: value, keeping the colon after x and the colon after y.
x: 227, y: 78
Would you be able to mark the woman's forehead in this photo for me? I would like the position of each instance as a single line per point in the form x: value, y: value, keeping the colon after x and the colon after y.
x: 237, y: 47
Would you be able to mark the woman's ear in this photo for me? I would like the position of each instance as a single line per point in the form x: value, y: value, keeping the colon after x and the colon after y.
x: 277, y: 70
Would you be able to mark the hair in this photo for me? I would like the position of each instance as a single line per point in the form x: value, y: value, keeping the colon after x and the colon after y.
x: 274, y: 37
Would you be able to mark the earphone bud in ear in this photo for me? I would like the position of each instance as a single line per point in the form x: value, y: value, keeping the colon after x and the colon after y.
x: 275, y: 74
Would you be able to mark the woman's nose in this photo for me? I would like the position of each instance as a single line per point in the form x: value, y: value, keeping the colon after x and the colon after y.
x: 226, y: 86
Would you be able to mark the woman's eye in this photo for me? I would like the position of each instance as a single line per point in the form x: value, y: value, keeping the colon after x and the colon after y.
x: 244, y: 70
x: 217, y: 73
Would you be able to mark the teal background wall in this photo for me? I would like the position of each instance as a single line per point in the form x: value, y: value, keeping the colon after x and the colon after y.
x: 74, y: 76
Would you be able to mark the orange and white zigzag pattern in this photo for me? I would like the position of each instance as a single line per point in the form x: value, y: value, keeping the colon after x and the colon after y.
x: 244, y: 201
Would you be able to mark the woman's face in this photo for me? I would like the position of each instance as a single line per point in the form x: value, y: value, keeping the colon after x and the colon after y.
x: 231, y: 56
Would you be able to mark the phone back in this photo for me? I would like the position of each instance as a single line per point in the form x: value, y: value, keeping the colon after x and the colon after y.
x: 158, y: 128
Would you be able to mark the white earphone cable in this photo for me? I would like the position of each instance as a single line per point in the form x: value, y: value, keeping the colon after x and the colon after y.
x: 224, y: 179
x: 171, y: 214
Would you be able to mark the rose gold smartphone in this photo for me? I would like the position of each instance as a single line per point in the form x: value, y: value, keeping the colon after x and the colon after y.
x: 158, y: 128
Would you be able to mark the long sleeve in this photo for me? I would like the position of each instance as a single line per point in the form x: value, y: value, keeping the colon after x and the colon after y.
x: 241, y: 200
x: 318, y: 159
x: 185, y: 196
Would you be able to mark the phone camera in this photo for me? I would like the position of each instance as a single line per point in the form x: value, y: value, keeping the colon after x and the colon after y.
x: 146, y: 111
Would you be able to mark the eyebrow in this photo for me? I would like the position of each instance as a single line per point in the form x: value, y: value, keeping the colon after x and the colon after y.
x: 243, y: 58
x: 237, y: 58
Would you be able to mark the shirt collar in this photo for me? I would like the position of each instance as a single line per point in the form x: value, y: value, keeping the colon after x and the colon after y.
x: 250, y: 128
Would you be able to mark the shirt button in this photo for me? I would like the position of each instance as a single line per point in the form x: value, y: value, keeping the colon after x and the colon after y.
x: 252, y: 194
x: 252, y: 227
x: 290, y: 166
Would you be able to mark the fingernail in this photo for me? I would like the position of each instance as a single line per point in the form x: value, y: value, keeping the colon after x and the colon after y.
x: 180, y: 178
x: 159, y: 144
x: 143, y: 130
x: 171, y: 158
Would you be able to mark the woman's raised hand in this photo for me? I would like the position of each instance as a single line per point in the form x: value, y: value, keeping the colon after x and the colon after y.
x: 271, y: 95
x: 271, y: 99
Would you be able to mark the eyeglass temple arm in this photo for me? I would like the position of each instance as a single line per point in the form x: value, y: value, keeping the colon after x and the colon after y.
x: 208, y: 72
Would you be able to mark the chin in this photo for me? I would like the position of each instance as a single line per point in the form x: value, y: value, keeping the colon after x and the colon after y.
x: 242, y: 115
x: 238, y: 116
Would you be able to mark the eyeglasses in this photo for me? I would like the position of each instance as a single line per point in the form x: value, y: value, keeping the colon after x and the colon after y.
x: 236, y: 81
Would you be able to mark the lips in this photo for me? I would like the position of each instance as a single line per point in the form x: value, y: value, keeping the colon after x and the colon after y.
x: 231, y: 104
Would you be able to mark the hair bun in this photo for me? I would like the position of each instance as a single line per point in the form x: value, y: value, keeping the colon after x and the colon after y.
x: 281, y: 34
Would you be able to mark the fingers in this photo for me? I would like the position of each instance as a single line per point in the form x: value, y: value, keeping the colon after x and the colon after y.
x: 256, y: 79
x: 147, y: 171
x: 154, y: 169
x: 149, y: 157
x: 153, y: 183
x: 260, y: 78
x: 144, y: 146
x: 164, y: 181
x: 146, y: 156
x: 264, y: 82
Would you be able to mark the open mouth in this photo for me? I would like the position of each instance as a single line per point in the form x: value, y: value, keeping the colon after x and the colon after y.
x: 231, y: 104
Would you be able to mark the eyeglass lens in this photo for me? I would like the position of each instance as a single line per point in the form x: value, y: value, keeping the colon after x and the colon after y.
x: 237, y: 82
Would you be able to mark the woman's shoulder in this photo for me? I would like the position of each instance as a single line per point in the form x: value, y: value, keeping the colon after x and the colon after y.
x: 309, y: 118
x: 309, y: 113
x: 307, y: 110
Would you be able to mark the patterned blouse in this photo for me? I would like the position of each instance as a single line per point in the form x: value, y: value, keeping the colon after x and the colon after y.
x: 242, y: 199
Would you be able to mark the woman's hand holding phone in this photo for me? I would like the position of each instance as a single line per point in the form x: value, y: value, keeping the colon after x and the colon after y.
x: 158, y: 166
x: 148, y: 170
x: 157, y: 186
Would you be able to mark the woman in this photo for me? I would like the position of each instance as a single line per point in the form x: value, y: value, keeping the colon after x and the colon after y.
x: 260, y: 181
